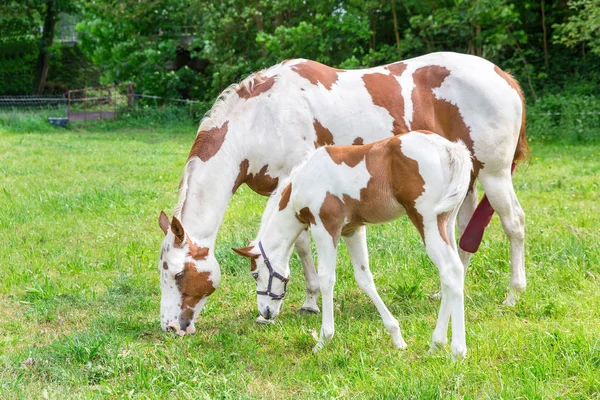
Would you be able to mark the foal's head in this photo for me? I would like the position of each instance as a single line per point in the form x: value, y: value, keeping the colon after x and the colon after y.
x: 187, y: 277
x: 270, y: 285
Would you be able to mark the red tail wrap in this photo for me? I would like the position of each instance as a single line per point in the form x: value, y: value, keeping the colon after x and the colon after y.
x: 473, y: 234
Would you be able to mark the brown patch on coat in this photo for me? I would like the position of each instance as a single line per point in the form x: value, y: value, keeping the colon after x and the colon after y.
x: 316, y: 72
x: 346, y: 154
x: 256, y: 87
x: 285, y: 197
x: 358, y: 141
x: 262, y: 183
x: 193, y: 286
x: 208, y: 143
x: 387, y: 93
x: 439, y: 115
x: 442, y: 222
x: 306, y: 216
x: 522, y: 152
x: 395, y: 184
x: 324, y: 136
x: 165, y: 265
x: 397, y: 68
x: 196, y: 252
x: 332, y: 216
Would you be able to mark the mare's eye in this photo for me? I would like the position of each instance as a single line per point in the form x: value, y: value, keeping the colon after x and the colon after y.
x: 179, y: 275
x: 255, y: 275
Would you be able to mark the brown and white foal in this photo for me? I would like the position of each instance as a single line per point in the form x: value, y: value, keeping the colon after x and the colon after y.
x: 339, y: 190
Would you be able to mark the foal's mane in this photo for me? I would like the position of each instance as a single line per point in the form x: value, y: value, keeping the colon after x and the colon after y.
x: 221, y: 107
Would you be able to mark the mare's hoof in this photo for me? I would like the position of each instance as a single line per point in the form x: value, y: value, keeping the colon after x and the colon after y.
x: 309, y: 310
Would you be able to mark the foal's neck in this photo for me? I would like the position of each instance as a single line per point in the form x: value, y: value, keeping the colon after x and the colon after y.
x: 279, y: 236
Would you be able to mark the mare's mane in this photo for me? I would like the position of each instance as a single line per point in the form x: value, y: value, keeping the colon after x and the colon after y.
x: 222, y: 105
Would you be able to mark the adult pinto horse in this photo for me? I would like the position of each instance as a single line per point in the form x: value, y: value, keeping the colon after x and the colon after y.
x: 258, y: 130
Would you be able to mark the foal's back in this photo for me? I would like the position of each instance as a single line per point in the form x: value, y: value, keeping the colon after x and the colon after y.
x: 377, y: 182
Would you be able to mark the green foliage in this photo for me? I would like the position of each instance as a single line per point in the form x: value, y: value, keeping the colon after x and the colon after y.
x: 19, y: 35
x: 581, y: 28
x: 17, y: 62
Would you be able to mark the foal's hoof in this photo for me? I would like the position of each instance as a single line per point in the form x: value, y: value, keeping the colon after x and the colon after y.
x: 437, y: 296
x: 511, y: 299
x: 459, y: 353
x: 318, y: 347
x: 309, y: 310
x: 436, y: 346
x: 400, y: 343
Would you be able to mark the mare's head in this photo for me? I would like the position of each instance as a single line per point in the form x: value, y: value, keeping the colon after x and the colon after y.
x: 271, y: 286
x: 188, y: 275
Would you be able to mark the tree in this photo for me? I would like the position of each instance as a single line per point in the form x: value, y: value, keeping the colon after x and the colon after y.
x: 581, y: 28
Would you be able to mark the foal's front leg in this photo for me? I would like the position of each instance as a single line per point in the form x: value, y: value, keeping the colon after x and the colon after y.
x: 327, y: 255
x: 310, y: 273
x: 359, y: 253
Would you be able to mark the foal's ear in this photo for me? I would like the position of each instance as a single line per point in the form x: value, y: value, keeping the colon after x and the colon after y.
x: 178, y: 231
x: 245, y: 252
x: 163, y: 222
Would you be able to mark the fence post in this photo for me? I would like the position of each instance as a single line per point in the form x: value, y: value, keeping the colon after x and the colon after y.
x: 69, y: 104
x: 130, y: 95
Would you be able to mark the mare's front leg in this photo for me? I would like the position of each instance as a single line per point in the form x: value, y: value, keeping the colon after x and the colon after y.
x: 327, y: 256
x: 357, y: 248
x: 310, y: 273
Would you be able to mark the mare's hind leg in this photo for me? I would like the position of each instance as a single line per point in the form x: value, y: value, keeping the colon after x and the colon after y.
x: 357, y: 248
x: 501, y: 194
x: 451, y: 271
x: 310, y: 273
x: 464, y: 216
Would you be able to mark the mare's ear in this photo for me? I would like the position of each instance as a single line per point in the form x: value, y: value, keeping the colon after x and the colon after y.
x: 245, y: 252
x: 163, y: 222
x: 178, y: 231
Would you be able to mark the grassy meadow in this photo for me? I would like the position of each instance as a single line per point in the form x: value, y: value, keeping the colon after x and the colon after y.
x: 79, y: 287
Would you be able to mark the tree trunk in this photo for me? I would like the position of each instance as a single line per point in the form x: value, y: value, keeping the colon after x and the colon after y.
x: 478, y: 45
x: 395, y: 26
x: 260, y: 26
x: 41, y: 69
x: 545, y: 34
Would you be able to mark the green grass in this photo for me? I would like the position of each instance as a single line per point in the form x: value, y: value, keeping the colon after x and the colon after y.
x: 79, y: 289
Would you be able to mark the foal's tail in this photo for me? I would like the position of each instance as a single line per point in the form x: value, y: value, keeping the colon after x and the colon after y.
x: 460, y: 166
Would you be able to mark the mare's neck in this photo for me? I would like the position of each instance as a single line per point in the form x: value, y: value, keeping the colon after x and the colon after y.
x: 206, y: 189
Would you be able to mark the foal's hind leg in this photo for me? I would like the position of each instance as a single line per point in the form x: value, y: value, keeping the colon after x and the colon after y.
x: 310, y: 273
x: 357, y: 248
x: 501, y: 194
x: 451, y: 270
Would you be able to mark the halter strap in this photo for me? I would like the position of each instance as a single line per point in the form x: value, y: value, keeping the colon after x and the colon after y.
x: 272, y: 274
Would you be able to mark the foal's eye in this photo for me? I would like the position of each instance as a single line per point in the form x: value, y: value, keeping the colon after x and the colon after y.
x: 255, y: 275
x: 179, y: 275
